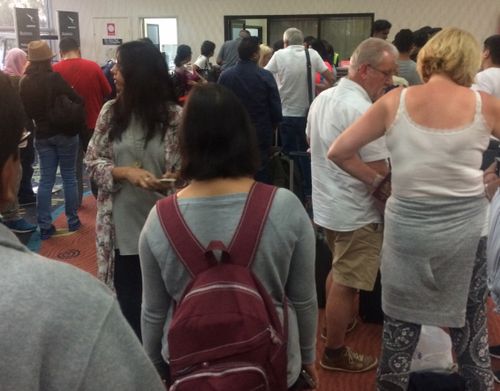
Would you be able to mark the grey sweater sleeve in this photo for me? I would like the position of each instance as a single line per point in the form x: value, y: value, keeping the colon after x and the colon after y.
x: 156, y: 300
x: 117, y: 361
x: 301, y: 283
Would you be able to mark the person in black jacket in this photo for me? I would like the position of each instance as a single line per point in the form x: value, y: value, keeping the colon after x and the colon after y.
x: 54, y: 147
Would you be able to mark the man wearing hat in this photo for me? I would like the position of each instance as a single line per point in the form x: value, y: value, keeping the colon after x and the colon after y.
x: 39, y: 87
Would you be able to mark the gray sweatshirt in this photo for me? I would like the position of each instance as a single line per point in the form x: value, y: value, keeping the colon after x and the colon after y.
x: 284, y: 261
x: 61, y: 329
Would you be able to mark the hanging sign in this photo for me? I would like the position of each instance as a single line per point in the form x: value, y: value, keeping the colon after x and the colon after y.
x: 27, y: 26
x: 69, y: 26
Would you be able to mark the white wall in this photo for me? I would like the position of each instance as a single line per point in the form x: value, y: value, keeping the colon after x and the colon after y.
x: 199, y: 20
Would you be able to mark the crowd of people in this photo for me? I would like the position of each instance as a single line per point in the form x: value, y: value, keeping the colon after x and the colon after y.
x: 199, y: 144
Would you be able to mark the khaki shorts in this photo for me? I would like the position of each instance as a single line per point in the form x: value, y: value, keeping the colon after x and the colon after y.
x: 356, y: 256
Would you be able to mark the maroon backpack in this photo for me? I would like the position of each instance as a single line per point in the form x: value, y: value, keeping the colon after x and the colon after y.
x: 225, y: 333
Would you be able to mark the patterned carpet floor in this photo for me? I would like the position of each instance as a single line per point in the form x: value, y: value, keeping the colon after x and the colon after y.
x: 78, y: 249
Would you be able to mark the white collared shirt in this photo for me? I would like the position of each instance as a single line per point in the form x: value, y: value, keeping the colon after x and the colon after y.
x: 340, y: 201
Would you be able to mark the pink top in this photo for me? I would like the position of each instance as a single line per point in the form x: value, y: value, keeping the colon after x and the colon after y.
x: 318, y: 75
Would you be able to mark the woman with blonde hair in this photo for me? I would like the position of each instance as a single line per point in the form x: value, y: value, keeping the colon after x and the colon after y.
x: 433, y: 262
x: 265, y: 55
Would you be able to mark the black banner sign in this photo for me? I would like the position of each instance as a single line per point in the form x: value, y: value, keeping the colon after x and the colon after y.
x: 112, y: 41
x: 69, y: 26
x: 27, y: 26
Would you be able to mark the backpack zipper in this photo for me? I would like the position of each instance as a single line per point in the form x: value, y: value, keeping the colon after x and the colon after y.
x: 222, y: 286
x: 215, y: 373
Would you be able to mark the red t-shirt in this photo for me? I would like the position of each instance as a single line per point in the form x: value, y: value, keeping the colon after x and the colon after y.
x: 88, y: 80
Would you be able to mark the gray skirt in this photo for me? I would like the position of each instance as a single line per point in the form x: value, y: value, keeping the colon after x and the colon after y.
x: 428, y: 254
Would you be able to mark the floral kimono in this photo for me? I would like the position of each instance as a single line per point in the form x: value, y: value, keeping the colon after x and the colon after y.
x: 99, y: 162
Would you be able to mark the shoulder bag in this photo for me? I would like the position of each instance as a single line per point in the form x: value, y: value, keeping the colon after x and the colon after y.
x: 63, y: 114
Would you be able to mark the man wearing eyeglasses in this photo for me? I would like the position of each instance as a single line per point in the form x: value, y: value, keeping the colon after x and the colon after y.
x: 343, y: 205
x: 61, y: 328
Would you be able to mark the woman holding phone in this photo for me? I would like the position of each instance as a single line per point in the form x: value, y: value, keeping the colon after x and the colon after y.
x: 133, y: 147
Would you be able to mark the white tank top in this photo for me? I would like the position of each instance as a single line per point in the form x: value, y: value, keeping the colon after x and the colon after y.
x: 429, y: 162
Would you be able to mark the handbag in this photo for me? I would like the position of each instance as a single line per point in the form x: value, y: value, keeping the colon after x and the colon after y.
x: 64, y: 115
x: 433, y: 351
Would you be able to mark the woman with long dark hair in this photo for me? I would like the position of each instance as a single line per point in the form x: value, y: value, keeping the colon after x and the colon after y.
x: 133, y: 149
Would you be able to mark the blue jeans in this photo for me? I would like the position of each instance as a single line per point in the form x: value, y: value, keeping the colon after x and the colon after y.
x: 293, y: 139
x: 59, y: 150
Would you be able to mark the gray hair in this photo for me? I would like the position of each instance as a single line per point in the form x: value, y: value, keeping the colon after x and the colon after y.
x: 371, y: 51
x: 293, y: 36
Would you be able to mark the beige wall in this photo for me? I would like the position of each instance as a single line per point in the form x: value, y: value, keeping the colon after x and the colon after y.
x: 199, y: 20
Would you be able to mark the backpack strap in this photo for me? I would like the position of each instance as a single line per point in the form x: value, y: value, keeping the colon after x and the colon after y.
x: 249, y: 231
x: 189, y: 250
x: 309, y: 77
x: 245, y: 240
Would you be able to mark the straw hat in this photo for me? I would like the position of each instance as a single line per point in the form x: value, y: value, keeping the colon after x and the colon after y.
x: 39, y: 51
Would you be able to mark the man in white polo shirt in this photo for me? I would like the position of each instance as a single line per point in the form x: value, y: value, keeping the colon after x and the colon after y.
x: 289, y: 67
x: 488, y: 80
x: 343, y: 205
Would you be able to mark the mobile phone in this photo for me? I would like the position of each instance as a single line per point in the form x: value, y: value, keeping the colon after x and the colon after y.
x: 167, y: 180
x: 497, y: 168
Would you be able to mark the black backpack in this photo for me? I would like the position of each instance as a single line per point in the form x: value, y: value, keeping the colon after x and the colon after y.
x: 64, y: 115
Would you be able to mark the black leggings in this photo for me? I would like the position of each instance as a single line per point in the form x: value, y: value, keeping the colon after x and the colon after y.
x: 128, y: 286
x: 470, y: 342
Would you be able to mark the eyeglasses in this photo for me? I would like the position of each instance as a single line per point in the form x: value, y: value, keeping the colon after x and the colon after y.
x: 23, y: 142
x: 387, y: 74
